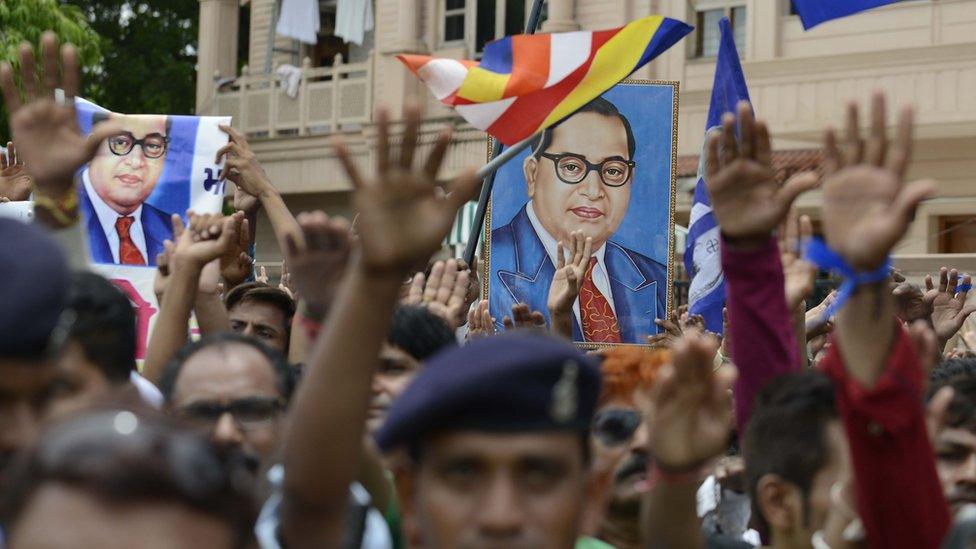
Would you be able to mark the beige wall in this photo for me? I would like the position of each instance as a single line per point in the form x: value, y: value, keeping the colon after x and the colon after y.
x: 921, y: 52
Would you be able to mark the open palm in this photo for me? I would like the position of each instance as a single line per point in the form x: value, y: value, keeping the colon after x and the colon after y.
x: 403, y: 214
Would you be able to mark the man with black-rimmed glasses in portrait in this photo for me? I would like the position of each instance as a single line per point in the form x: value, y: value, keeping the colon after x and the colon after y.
x: 122, y: 227
x: 579, y: 179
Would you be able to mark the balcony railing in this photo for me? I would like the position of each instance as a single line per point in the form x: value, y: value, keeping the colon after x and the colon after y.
x: 329, y: 99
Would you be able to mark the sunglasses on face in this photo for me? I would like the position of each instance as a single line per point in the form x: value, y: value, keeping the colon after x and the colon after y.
x: 153, y: 145
x: 616, y: 426
x: 572, y: 169
x: 249, y: 413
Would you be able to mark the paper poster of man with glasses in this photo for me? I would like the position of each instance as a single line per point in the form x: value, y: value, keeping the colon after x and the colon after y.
x: 157, y: 165
x: 606, y: 173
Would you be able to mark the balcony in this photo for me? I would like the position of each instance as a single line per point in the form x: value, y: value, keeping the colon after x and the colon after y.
x: 329, y: 100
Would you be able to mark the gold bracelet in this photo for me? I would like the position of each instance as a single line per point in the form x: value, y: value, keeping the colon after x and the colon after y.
x: 63, y: 210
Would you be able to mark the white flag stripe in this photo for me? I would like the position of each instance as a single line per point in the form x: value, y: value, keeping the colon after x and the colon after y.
x: 573, y: 50
x: 443, y: 76
x: 698, y: 211
x: 483, y: 115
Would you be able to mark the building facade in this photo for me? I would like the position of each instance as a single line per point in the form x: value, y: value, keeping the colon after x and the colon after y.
x: 921, y: 52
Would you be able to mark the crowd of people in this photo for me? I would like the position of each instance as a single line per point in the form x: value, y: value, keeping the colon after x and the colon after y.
x: 370, y: 399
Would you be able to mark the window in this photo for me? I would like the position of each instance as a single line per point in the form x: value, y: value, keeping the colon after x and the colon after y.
x: 454, y: 14
x: 957, y: 234
x: 478, y: 22
x: 708, y: 35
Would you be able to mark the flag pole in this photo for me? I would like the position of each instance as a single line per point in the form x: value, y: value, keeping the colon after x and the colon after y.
x: 497, y: 159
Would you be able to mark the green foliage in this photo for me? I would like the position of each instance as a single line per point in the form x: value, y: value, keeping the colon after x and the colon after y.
x: 26, y: 20
x: 148, y: 54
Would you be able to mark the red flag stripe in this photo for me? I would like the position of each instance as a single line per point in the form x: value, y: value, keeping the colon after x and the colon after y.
x: 531, y: 110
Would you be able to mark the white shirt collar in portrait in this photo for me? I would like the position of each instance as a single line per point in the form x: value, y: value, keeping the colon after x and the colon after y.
x: 107, y: 218
x: 600, y: 278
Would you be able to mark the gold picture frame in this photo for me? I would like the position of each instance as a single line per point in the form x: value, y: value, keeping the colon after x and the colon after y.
x: 672, y: 191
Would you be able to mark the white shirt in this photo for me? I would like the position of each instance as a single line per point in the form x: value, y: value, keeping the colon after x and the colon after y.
x: 107, y: 218
x: 600, y: 278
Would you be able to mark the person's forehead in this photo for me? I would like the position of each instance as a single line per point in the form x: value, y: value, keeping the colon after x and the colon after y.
x: 958, y: 437
x: 141, y: 125
x: 392, y: 353
x: 504, y: 447
x: 618, y: 402
x: 223, y: 373
x: 258, y: 312
x: 593, y: 135
x: 21, y: 378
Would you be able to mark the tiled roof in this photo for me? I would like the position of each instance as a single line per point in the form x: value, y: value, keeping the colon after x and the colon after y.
x: 786, y: 163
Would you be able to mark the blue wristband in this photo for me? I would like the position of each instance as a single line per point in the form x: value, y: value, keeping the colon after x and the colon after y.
x: 823, y: 257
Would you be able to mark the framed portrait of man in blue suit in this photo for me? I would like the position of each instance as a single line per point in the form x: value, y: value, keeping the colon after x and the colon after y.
x: 607, y: 171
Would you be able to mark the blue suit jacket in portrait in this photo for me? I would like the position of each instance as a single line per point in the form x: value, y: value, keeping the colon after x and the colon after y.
x: 522, y: 273
x: 156, y: 225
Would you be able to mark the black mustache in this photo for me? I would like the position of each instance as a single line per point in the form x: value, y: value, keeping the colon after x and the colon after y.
x: 636, y: 463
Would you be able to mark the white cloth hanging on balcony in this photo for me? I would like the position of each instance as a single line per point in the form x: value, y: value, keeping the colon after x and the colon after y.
x: 299, y: 19
x: 354, y: 18
x: 290, y: 77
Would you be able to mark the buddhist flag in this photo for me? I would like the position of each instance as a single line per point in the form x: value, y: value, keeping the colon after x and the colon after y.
x: 526, y: 83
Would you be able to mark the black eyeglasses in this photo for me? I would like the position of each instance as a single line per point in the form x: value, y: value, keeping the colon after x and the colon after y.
x: 616, y: 426
x: 249, y: 413
x: 572, y: 168
x: 153, y: 145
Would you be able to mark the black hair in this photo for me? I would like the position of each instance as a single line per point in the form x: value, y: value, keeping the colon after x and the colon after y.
x: 598, y: 106
x: 786, y: 434
x: 99, y: 116
x: 155, y: 460
x: 960, y: 374
x: 285, y: 376
x: 104, y: 326
x: 419, y: 332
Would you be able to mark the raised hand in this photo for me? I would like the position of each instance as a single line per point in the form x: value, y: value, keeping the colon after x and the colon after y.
x: 949, y: 309
x: 867, y: 206
x: 242, y: 167
x: 910, y: 302
x: 15, y: 182
x: 285, y: 283
x: 480, y: 322
x: 319, y: 261
x: 670, y: 331
x: 816, y: 324
x: 747, y: 201
x: 262, y: 275
x: 690, y: 418
x: 46, y: 132
x: 207, y: 237
x: 798, y: 273
x: 567, y: 281
x: 403, y: 214
x: 236, y: 264
x: 444, y: 293
x: 524, y: 318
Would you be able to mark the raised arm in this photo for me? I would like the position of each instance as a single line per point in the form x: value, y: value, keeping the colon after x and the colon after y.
x: 402, y: 221
x: 689, y: 423
x: 49, y: 140
x: 200, y: 243
x: 567, y: 281
x: 873, y: 362
x: 242, y: 167
x: 749, y: 205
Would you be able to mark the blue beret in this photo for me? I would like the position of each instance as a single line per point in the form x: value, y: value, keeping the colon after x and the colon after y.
x: 515, y: 382
x: 34, y: 283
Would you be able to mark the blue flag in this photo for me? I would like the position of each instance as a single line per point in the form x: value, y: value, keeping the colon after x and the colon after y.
x: 814, y: 12
x: 703, y: 259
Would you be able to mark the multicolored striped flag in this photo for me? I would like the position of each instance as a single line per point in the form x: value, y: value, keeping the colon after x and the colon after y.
x: 526, y: 83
